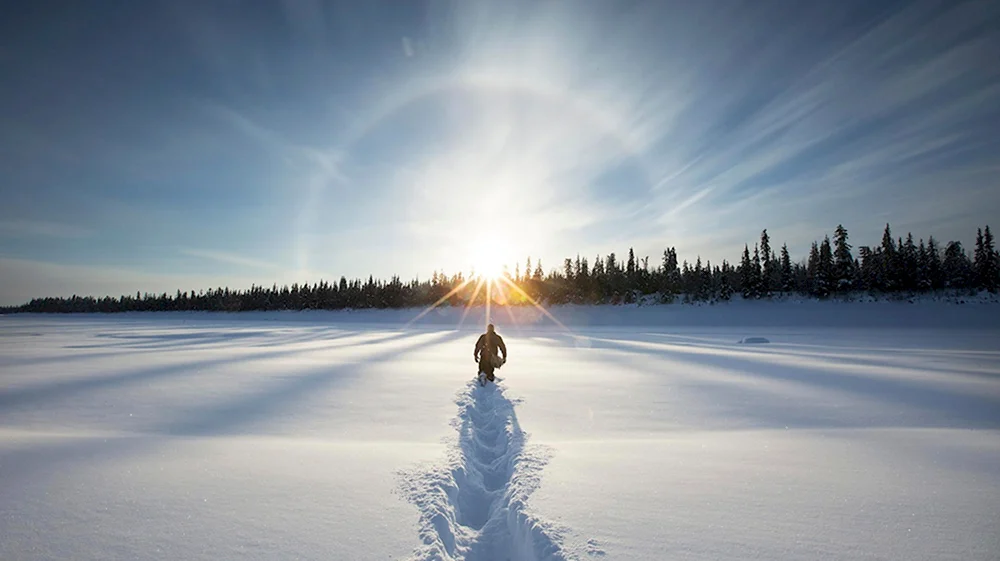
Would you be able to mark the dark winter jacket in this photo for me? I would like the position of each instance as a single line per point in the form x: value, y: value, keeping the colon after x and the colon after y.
x: 488, y: 343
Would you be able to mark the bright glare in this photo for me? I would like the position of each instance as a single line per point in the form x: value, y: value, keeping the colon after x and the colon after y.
x: 487, y: 256
x: 489, y: 269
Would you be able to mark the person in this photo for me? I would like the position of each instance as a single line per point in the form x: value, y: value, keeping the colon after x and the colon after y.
x: 486, y: 353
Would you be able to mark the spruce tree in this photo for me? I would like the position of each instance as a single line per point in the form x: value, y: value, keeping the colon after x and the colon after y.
x: 825, y: 269
x: 844, y: 266
x: 669, y: 285
x: 923, y: 267
x: 979, y: 259
x: 674, y: 274
x: 583, y: 281
x: 993, y: 268
x: 812, y: 269
x: 768, y: 274
x: 957, y: 268
x: 567, y: 281
x: 755, y: 273
x: 889, y: 270
x: 987, y: 263
x: 786, y: 269
x: 866, y: 268
x: 694, y: 280
x: 746, y: 274
x: 725, y: 287
x: 934, y: 269
x: 910, y: 263
x: 706, y: 290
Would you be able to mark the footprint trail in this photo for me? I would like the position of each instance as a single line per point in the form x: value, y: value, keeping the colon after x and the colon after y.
x: 474, y: 507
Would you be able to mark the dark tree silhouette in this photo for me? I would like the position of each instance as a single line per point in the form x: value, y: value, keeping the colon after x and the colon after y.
x: 893, y: 266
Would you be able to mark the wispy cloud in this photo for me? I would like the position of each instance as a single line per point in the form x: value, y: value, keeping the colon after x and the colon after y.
x: 398, y: 140
x: 227, y: 258
x: 42, y: 229
x: 866, y: 123
x: 764, y: 125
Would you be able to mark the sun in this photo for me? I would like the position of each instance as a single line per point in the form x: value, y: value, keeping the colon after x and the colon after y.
x: 487, y: 256
x: 489, y: 269
x: 490, y: 253
x: 488, y: 266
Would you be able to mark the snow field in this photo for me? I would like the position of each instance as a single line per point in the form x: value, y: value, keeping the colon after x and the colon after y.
x: 318, y: 436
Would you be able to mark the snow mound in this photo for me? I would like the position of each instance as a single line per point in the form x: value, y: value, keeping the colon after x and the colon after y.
x: 754, y: 340
x: 474, y: 508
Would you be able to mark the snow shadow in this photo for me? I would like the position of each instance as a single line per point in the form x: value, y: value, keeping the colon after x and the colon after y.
x: 960, y: 362
x: 246, y: 413
x: 474, y: 508
x: 240, y: 413
x: 54, y: 391
x: 165, y: 340
x: 51, y: 391
x: 911, y: 396
x: 195, y: 338
x: 124, y: 345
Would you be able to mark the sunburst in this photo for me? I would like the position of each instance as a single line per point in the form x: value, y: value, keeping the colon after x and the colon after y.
x: 497, y: 289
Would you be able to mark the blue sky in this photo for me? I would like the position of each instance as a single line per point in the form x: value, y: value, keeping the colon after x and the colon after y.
x: 183, y: 145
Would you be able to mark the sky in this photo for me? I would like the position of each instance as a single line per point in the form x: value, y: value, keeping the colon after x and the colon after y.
x: 156, y: 146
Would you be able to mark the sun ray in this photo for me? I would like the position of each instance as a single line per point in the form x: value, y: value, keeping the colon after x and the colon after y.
x: 535, y: 304
x: 510, y: 314
x: 428, y: 309
x: 475, y: 294
x: 504, y: 296
x: 489, y: 302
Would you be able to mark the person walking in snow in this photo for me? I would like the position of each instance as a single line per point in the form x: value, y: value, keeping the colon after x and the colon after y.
x: 486, y: 354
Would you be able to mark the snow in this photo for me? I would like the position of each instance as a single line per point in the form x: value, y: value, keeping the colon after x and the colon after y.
x: 475, y: 508
x: 860, y: 431
x: 754, y: 340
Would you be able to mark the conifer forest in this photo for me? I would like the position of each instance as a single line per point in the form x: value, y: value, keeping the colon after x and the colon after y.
x: 833, y: 267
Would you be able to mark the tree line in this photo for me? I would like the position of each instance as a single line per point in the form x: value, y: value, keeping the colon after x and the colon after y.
x: 895, y: 266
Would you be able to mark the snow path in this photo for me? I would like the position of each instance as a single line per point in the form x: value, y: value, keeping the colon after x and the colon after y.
x: 475, y: 508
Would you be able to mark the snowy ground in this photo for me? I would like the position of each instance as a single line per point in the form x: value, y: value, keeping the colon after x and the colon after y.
x: 860, y: 431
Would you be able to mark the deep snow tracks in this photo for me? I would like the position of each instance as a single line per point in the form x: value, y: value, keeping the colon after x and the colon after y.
x: 474, y: 507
